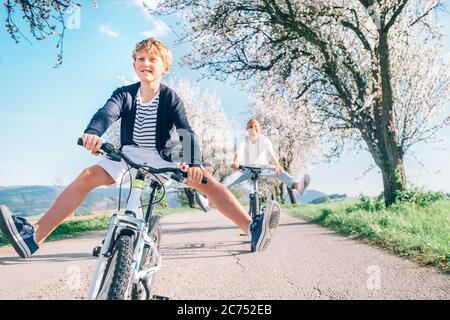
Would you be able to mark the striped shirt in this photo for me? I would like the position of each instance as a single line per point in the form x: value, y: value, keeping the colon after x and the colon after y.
x: 144, y: 131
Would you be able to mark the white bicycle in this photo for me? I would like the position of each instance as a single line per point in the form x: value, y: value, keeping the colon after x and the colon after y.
x: 129, y: 256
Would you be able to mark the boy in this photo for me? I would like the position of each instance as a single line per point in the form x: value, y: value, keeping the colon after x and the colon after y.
x: 254, y: 151
x: 148, y: 111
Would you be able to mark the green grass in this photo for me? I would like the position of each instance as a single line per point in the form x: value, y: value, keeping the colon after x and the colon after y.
x: 418, y: 233
x: 71, y: 229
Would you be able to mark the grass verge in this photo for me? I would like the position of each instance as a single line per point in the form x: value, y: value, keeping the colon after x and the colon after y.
x: 419, y: 233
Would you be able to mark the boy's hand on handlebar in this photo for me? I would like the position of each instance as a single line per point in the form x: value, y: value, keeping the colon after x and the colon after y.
x: 92, y: 143
x: 235, y: 165
x: 195, y: 174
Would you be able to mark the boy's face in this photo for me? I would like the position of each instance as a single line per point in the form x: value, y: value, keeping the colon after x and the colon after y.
x: 149, y: 67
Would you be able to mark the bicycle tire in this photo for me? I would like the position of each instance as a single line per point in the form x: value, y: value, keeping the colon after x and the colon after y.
x: 120, y: 269
x: 254, y: 205
x: 254, y: 211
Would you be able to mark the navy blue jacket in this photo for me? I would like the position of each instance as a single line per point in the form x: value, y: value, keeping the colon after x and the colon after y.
x: 171, y: 112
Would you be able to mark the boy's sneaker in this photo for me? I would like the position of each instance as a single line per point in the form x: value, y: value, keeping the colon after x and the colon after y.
x: 263, y: 227
x: 201, y: 201
x: 19, y: 232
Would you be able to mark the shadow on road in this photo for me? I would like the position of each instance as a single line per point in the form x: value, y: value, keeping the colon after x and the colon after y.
x: 173, y: 230
x: 303, y: 223
x: 195, y: 230
x: 204, y: 250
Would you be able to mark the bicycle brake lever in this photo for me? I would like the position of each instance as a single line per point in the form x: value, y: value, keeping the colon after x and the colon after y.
x: 177, y: 177
x: 182, y: 178
x: 113, y: 157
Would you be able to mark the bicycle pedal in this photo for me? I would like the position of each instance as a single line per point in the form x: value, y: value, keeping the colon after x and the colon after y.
x: 96, y: 251
x: 155, y: 297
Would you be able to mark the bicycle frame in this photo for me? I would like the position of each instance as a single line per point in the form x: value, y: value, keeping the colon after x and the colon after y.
x: 254, y: 209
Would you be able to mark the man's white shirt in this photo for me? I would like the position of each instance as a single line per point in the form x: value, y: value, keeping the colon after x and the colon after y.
x: 255, y: 154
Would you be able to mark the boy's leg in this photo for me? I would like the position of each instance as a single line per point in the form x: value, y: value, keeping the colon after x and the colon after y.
x: 224, y: 201
x: 26, y: 238
x: 70, y: 199
x: 261, y: 229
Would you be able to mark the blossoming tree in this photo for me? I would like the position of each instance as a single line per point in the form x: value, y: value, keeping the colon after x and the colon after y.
x: 372, y: 69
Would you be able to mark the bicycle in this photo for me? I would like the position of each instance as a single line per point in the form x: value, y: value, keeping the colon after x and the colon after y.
x: 255, y: 198
x: 129, y: 255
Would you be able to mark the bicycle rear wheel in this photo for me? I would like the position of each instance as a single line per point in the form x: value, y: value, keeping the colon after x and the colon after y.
x: 254, y: 210
x: 254, y: 205
x: 117, y: 277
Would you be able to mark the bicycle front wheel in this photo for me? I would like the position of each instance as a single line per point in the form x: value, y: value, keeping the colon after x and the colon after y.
x: 116, y: 284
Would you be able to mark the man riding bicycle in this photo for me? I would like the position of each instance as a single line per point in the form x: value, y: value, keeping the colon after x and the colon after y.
x: 255, y: 150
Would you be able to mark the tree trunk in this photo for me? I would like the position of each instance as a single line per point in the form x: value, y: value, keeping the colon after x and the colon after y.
x: 390, y: 154
x: 393, y: 181
x: 281, y: 195
x: 392, y: 169
x: 190, y: 196
x: 292, y: 197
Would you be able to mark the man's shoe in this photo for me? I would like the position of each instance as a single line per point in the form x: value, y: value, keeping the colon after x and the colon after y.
x: 19, y: 232
x: 305, y: 183
x: 263, y: 227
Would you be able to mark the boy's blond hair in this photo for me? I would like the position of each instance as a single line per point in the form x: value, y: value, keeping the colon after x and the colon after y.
x: 154, y: 47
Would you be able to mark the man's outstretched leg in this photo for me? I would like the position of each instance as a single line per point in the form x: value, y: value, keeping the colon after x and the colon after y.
x: 26, y: 238
x: 261, y: 229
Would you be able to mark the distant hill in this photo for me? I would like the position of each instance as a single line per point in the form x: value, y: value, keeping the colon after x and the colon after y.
x: 35, y: 200
x: 333, y: 197
x: 310, y: 195
x: 315, y: 197
x: 29, y: 201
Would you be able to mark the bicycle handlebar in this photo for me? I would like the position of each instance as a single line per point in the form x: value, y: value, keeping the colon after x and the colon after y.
x: 254, y: 169
x: 117, y: 155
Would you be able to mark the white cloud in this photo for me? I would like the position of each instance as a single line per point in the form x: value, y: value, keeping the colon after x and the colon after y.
x: 107, y: 30
x: 151, y: 4
x: 124, y: 80
x: 159, y: 30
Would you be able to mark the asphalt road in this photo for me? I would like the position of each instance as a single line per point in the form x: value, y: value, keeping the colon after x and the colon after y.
x: 205, y: 257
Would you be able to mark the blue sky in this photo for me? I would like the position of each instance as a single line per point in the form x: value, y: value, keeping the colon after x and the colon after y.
x: 43, y: 110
